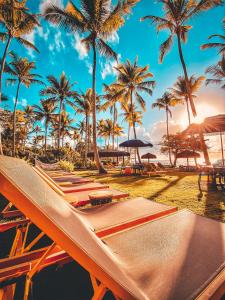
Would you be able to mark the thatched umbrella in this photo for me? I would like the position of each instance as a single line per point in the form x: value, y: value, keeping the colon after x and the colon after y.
x: 188, y: 154
x: 148, y: 156
x: 211, y: 125
x: 135, y: 143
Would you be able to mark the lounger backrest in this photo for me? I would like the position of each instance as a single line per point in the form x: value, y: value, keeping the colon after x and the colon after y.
x: 22, y: 186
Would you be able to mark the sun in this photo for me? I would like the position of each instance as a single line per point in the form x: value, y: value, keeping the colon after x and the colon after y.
x: 203, y: 111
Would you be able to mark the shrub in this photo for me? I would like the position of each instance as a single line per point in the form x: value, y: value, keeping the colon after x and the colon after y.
x: 66, y: 165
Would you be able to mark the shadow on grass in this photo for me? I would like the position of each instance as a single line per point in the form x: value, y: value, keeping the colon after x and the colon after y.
x: 169, y: 185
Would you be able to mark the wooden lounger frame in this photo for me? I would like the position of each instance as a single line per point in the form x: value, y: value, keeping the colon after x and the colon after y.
x: 23, y: 262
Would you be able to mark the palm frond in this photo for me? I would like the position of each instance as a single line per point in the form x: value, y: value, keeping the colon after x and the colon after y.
x: 165, y: 47
x: 27, y: 44
x: 105, y: 49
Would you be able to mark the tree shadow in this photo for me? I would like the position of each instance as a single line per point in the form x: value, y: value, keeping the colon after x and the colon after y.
x: 169, y: 185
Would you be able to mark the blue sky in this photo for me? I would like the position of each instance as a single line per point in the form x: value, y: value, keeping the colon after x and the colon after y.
x: 60, y: 51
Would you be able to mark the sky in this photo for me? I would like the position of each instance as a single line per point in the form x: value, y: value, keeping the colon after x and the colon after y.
x: 61, y: 51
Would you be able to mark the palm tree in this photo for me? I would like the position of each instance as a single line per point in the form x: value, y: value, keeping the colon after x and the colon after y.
x: 99, y: 19
x: 131, y: 81
x: 165, y: 102
x: 111, y: 102
x: 177, y: 14
x: 60, y: 91
x: 21, y: 71
x: 45, y: 112
x: 65, y: 126
x: 84, y: 106
x: 4, y: 98
x: 75, y: 136
x: 219, y: 45
x: 17, y: 21
x: 131, y: 115
x: 218, y: 71
x: 118, y: 131
x: 180, y: 90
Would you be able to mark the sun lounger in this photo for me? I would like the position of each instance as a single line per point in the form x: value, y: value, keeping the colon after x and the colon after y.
x: 83, y: 186
x: 163, y: 259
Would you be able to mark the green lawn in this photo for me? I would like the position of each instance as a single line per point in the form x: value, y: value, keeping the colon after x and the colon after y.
x: 177, y: 188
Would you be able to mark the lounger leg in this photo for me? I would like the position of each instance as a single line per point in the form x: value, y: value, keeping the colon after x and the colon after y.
x: 32, y: 272
x: 99, y: 289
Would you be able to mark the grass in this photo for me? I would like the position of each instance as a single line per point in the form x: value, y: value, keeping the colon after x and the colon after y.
x: 176, y: 188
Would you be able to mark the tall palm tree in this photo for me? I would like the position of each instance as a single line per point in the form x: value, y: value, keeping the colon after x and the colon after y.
x: 180, y: 90
x: 17, y: 22
x: 219, y: 45
x: 45, y: 112
x: 84, y: 106
x: 165, y: 102
x: 177, y: 14
x: 21, y: 71
x: 60, y: 91
x: 131, y: 81
x: 111, y: 103
x: 132, y: 116
x: 99, y: 19
x: 218, y: 72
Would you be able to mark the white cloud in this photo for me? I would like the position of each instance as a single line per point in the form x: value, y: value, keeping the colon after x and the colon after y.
x: 58, y: 44
x: 45, y: 3
x: 42, y: 34
x: 79, y: 46
x: 114, y: 38
x: 30, y: 38
x: 24, y: 102
x: 158, y: 130
x: 108, y: 68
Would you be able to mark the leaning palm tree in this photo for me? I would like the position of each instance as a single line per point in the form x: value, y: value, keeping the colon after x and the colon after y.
x: 45, y: 112
x: 131, y: 81
x: 218, y: 72
x: 165, y: 102
x: 219, y: 45
x: 17, y: 21
x: 60, y: 91
x: 177, y: 14
x: 21, y: 71
x: 99, y: 19
x: 180, y: 90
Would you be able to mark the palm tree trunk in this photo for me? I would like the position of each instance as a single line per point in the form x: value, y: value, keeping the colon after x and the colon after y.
x: 186, y: 75
x: 60, y: 122
x: 86, y: 142
x: 128, y: 133
x: 1, y: 74
x: 167, y: 132
x: 46, y: 132
x: 14, y: 120
x: 97, y: 159
x: 114, y: 120
x: 204, y: 149
x: 134, y: 129
x: 3, y: 64
x: 188, y: 111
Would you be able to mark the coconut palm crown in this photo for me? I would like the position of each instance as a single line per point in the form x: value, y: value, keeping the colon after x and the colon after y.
x: 176, y: 15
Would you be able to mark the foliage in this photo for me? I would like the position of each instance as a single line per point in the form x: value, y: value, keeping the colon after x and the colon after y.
x: 66, y: 165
